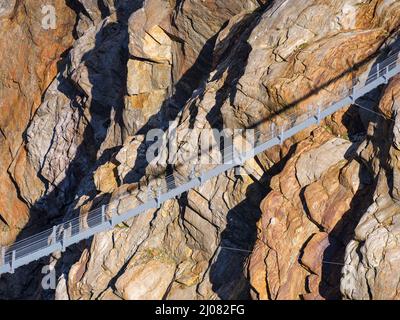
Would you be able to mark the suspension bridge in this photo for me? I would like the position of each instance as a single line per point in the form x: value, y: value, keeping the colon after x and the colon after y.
x: 108, y: 216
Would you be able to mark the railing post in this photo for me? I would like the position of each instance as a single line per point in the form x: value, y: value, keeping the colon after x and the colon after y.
x: 281, y: 135
x: 201, y: 178
x: 239, y: 159
x: 158, y: 198
x: 3, y: 256
x: 70, y: 229
x: 257, y: 138
x: 385, y: 76
x: 81, y: 223
x: 225, y: 155
x: 113, y: 223
x: 54, y: 235
x: 13, y: 258
x: 310, y: 111
x: 194, y: 177
x: 103, y: 213
x: 64, y: 239
x: 238, y: 171
x: 352, y: 96
x: 319, y: 115
x: 192, y: 174
x: 273, y: 129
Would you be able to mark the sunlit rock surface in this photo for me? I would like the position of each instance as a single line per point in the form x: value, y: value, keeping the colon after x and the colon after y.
x: 314, y: 218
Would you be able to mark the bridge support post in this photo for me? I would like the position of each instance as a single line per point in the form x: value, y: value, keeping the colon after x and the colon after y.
x: 13, y: 258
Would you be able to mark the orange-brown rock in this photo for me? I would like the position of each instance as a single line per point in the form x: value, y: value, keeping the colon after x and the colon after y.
x: 313, y: 218
x: 29, y: 55
x: 371, y: 261
x: 266, y: 65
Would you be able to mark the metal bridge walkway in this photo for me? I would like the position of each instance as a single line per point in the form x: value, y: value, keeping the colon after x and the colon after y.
x: 105, y: 218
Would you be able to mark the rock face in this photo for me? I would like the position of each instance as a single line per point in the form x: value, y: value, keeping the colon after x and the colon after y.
x: 310, y: 244
x: 314, y: 218
x: 30, y: 54
x: 7, y: 8
x: 306, y: 223
x: 371, y: 260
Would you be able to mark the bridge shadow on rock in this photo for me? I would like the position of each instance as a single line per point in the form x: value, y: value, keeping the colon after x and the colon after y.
x: 227, y: 274
x: 106, y: 63
x: 379, y: 55
x: 171, y: 107
x: 193, y: 78
x: 356, y: 120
